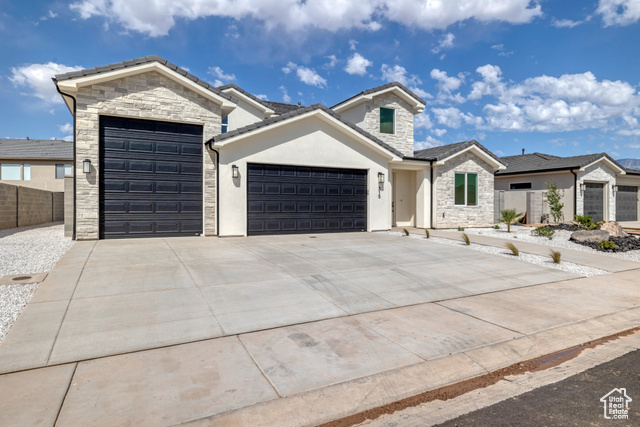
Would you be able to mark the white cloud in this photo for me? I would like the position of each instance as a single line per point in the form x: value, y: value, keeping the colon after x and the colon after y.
x: 262, y: 97
x: 333, y: 60
x: 422, y: 121
x: 357, y: 64
x: 421, y: 93
x: 398, y: 73
x: 66, y: 128
x: 156, y: 18
x: 501, y: 50
x: 439, y: 132
x: 446, y: 42
x: 37, y: 78
x: 221, y: 77
x: 453, y: 118
x: 353, y: 44
x: 306, y: 75
x: 68, y: 138
x: 50, y: 15
x: 429, y: 142
x: 285, y: 96
x: 445, y: 82
x: 619, y: 12
x: 565, y: 23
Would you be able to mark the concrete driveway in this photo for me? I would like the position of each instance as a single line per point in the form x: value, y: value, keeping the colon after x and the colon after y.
x: 165, y: 331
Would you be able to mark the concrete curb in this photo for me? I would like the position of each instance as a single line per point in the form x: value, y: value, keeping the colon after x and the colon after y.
x: 340, y: 400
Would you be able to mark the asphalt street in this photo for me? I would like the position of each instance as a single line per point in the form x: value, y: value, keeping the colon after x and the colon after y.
x: 574, y: 401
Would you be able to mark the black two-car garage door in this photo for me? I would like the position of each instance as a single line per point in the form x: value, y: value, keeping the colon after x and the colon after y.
x: 627, y: 203
x: 295, y: 199
x: 150, y: 178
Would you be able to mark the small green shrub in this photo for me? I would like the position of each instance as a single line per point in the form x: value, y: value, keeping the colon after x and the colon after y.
x: 405, y: 231
x: 509, y: 216
x: 426, y: 231
x: 556, y: 256
x: 460, y: 228
x: 607, y: 245
x: 586, y: 222
x: 554, y: 196
x: 496, y: 227
x: 543, y: 232
x: 513, y: 249
x: 466, y: 239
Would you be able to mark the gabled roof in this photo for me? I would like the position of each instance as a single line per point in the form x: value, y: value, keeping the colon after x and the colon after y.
x: 539, y: 162
x: 69, y: 82
x: 417, y: 102
x: 301, y: 111
x: 262, y: 105
x: 281, y: 108
x: 444, y: 152
x: 36, y: 149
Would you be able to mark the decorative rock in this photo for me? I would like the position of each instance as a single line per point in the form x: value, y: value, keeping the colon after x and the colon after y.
x: 614, y: 229
x: 590, y: 236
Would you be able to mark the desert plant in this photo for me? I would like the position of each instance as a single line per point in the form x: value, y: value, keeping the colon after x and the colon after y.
x: 556, y: 256
x: 509, y: 216
x: 405, y: 231
x: 586, y: 222
x: 426, y: 231
x: 543, y: 232
x: 513, y: 249
x: 496, y: 227
x: 607, y: 245
x: 554, y: 195
x: 466, y: 239
x: 460, y: 228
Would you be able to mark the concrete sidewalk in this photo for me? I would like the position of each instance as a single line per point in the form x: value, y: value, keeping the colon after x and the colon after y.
x: 159, y: 358
x: 600, y: 261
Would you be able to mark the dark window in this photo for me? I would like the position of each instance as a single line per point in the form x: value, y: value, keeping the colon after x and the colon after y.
x: 387, y: 119
x: 466, y: 189
x: 225, y: 124
x: 520, y: 186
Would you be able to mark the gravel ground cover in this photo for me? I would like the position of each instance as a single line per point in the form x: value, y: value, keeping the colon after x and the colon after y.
x: 27, y: 250
x: 560, y: 240
x: 569, y: 267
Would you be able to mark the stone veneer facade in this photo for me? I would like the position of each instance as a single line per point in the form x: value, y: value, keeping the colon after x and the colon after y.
x: 146, y: 96
x: 600, y: 173
x: 402, y: 140
x: 464, y: 216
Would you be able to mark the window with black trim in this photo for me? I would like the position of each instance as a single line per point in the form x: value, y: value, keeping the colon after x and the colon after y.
x: 466, y: 189
x: 520, y: 186
x: 387, y: 120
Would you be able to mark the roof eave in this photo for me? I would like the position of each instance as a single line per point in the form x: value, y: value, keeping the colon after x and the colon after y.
x: 268, y: 112
x: 477, y: 151
x: 620, y: 170
x: 416, y: 105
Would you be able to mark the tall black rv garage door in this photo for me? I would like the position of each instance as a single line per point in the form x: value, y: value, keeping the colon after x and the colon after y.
x: 150, y: 178
x: 295, y: 199
x: 627, y: 203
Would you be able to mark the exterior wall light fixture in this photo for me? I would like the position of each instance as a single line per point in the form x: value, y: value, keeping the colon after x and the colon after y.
x: 380, y: 183
x: 86, y: 166
x: 235, y: 173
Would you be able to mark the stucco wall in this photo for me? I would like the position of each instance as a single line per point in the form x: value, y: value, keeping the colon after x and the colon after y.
x: 147, y: 96
x: 447, y: 214
x: 601, y: 173
x: 244, y: 115
x: 308, y: 142
x: 43, y: 174
x: 538, y: 182
x: 367, y: 116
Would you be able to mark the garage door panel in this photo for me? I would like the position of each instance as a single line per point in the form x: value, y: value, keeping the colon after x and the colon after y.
x: 294, y: 199
x: 148, y: 187
x: 627, y: 203
x: 594, y: 201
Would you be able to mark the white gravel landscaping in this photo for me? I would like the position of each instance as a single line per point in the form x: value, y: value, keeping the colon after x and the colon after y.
x: 569, y: 267
x: 27, y: 250
x: 560, y: 240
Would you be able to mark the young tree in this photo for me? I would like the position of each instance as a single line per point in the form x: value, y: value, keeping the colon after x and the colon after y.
x: 509, y: 216
x: 554, y: 195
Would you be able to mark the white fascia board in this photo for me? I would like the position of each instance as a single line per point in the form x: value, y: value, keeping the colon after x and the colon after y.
x: 321, y: 115
x: 72, y: 85
x: 268, y: 112
x: 418, y: 107
x: 609, y: 163
x: 480, y: 153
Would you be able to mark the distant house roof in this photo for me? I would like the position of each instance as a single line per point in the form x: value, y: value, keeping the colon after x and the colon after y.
x: 445, y: 151
x: 281, y: 108
x: 539, y: 162
x: 366, y: 94
x: 296, y: 113
x: 632, y: 171
x: 36, y: 149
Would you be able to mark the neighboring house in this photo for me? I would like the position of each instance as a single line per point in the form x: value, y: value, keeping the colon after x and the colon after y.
x: 589, y: 182
x: 35, y: 163
x: 166, y: 154
x: 628, y: 196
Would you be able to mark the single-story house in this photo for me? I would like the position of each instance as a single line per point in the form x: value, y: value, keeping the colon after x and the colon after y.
x: 160, y: 152
x: 591, y: 185
x: 35, y: 163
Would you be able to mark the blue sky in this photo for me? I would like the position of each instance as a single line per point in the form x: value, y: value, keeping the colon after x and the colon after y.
x: 555, y: 76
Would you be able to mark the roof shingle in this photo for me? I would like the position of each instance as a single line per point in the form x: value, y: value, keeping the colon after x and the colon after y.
x: 444, y: 151
x: 538, y: 162
x: 36, y: 149
x: 380, y: 88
